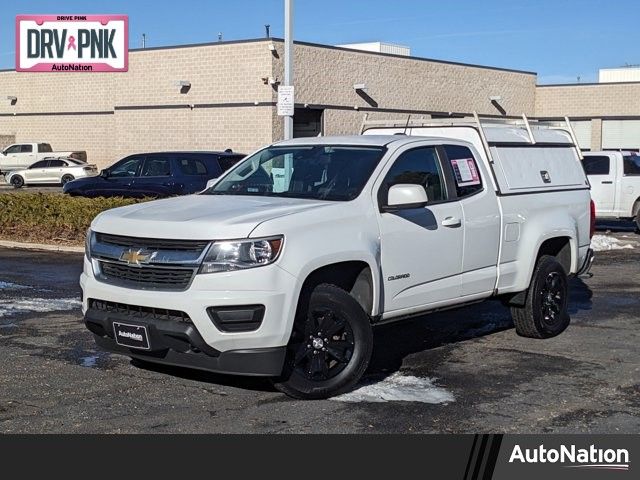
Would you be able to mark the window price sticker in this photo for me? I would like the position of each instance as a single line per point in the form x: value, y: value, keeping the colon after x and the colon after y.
x: 466, y: 172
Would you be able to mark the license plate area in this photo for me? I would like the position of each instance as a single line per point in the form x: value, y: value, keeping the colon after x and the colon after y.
x: 131, y: 336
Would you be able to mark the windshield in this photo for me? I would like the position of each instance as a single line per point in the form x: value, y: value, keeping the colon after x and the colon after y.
x: 324, y: 172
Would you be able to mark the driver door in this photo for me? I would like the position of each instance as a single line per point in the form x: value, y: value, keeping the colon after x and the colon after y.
x: 121, y: 176
x: 421, y: 247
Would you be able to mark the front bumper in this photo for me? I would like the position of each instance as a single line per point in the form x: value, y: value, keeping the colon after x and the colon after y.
x: 199, y: 343
x: 180, y: 344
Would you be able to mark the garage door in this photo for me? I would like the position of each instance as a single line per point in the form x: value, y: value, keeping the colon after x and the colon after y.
x: 620, y: 134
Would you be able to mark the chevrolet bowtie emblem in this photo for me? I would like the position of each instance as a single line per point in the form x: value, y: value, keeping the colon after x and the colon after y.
x: 136, y: 257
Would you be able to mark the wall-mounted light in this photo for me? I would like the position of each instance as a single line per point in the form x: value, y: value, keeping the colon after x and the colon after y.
x: 495, y: 101
x: 360, y: 86
x: 270, y: 80
x: 12, y: 99
x: 272, y: 47
x: 183, y: 85
x: 495, y: 98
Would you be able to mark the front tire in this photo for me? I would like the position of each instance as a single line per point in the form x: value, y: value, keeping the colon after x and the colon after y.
x: 17, y: 181
x: 544, y: 314
x: 330, y: 345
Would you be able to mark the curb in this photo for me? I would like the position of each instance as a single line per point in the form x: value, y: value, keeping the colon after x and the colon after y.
x: 41, y: 246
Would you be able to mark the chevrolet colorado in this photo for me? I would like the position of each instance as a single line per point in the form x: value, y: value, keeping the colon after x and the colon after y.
x: 284, y: 264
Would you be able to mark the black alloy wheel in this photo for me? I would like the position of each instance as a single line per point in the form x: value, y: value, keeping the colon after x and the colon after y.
x: 325, y: 345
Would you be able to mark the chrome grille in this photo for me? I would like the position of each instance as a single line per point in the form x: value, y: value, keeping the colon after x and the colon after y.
x: 146, y: 277
x: 137, y: 312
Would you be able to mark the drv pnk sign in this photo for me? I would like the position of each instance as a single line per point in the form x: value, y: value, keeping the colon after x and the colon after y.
x: 72, y: 43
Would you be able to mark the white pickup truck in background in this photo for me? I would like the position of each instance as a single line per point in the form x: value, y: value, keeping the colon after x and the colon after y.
x: 282, y: 266
x: 19, y: 156
x: 615, y: 184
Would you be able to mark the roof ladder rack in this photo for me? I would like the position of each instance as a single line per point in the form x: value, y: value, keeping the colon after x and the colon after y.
x: 528, y: 127
x: 574, y: 139
x: 483, y: 137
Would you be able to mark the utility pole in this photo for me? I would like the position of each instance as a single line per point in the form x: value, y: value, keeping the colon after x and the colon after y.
x: 288, y: 61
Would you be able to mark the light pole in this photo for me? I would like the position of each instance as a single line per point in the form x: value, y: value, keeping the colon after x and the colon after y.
x: 288, y: 61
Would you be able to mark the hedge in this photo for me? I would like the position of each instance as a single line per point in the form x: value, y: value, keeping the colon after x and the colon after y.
x: 51, y: 217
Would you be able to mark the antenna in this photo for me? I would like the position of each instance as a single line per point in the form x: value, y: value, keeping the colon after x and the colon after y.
x: 219, y: 36
x: 266, y: 30
x: 144, y: 40
x: 404, y: 132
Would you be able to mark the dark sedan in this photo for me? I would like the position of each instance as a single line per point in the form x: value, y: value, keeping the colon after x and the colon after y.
x: 161, y: 174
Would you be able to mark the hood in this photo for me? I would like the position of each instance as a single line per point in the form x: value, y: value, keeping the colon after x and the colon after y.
x: 199, y: 217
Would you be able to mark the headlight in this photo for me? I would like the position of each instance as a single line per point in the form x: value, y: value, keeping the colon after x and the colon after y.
x: 227, y: 256
x: 87, y: 243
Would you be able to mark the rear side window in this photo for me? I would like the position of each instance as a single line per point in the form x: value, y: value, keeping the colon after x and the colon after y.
x: 192, y: 166
x: 632, y: 165
x: 418, y: 166
x: 466, y: 174
x: 26, y: 148
x: 40, y: 164
x: 156, y: 167
x: 228, y: 161
x: 57, y: 163
x: 44, y: 148
x: 596, y: 164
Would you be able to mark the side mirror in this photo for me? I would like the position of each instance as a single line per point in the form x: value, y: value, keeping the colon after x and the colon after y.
x: 405, y: 196
x: 210, y: 183
x: 104, y: 173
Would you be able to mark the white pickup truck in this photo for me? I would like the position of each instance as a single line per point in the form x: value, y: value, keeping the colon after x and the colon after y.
x: 615, y: 184
x: 22, y: 155
x: 285, y: 277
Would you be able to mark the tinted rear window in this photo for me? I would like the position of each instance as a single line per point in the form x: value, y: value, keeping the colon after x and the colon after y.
x: 228, y: 161
x: 632, y: 165
x: 192, y: 166
x: 57, y: 163
x: 44, y: 147
x: 596, y: 164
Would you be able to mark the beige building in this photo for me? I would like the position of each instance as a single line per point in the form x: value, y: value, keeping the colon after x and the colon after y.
x: 223, y: 95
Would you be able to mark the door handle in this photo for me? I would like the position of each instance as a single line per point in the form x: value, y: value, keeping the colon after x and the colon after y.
x: 451, y: 222
x: 607, y: 182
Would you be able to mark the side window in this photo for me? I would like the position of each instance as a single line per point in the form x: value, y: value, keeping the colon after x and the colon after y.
x: 156, y: 167
x: 466, y: 174
x: 192, y: 166
x: 418, y: 166
x: 596, y: 164
x: 128, y: 167
x: 13, y: 149
x: 40, y: 164
x: 57, y: 163
x: 44, y: 148
x: 26, y: 148
x: 632, y: 165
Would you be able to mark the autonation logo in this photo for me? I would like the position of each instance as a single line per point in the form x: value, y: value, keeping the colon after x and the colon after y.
x: 573, y: 457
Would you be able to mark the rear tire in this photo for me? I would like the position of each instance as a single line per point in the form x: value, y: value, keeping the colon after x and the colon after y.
x: 66, y: 179
x: 330, y: 346
x: 638, y: 222
x: 544, y: 314
x: 17, y: 181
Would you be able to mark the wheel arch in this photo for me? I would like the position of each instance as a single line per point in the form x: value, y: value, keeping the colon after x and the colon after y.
x: 359, y: 277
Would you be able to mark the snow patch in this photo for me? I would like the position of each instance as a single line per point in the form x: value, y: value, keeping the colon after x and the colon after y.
x: 399, y: 388
x: 601, y: 243
x: 22, y: 305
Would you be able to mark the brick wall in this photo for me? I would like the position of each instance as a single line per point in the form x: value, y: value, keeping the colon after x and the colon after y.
x: 6, y: 140
x: 228, y: 106
x: 589, y: 100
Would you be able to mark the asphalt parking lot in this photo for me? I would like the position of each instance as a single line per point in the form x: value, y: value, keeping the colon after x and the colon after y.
x: 463, y: 370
